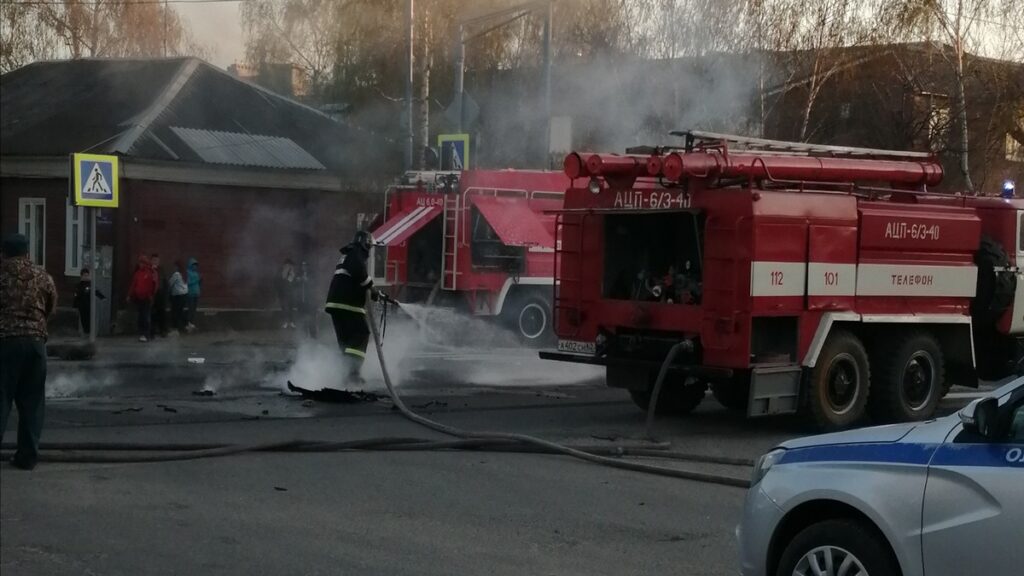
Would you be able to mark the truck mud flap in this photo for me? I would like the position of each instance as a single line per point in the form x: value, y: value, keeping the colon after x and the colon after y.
x: 774, y: 390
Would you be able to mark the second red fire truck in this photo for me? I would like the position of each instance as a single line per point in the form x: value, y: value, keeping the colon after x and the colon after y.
x: 482, y: 241
x: 829, y: 281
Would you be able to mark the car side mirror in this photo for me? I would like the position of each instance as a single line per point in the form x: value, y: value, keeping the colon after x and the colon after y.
x: 983, y: 419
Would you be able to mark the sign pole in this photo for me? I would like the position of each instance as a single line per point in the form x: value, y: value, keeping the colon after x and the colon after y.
x: 96, y: 179
x: 95, y: 273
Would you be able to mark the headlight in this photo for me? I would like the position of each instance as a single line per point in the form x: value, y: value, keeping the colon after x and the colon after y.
x: 764, y: 464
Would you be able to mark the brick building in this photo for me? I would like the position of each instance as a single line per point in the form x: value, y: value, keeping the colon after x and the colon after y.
x: 212, y: 167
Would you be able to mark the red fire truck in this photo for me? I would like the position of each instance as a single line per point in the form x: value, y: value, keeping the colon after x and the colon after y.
x: 823, y: 280
x: 479, y: 240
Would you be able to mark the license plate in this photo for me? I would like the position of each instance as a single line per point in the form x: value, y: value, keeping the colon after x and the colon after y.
x: 576, y: 347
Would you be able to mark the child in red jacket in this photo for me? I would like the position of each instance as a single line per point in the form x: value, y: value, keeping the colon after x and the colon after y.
x: 141, y: 292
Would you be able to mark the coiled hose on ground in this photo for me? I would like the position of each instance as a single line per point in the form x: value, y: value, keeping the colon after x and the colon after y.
x: 122, y: 452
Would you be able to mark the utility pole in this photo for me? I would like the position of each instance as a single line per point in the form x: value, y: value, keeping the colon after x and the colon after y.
x: 408, y: 86
x: 94, y: 270
x: 460, y: 71
x: 165, y: 28
x: 546, y: 148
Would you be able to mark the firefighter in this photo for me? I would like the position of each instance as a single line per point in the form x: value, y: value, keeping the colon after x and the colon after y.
x: 346, y: 302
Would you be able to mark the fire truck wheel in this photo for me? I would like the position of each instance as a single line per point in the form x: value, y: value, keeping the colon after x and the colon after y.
x: 909, y: 379
x: 530, y: 318
x: 836, y: 393
x: 734, y: 395
x: 673, y: 400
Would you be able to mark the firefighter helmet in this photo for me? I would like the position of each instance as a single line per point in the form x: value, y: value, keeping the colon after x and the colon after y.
x: 363, y: 240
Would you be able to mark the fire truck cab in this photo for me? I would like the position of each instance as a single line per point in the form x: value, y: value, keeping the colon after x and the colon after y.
x: 477, y: 240
x: 822, y: 280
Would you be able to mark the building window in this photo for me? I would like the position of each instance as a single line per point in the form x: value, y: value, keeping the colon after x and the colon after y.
x: 76, y: 240
x: 938, y: 127
x: 32, y: 223
x: 1014, y: 149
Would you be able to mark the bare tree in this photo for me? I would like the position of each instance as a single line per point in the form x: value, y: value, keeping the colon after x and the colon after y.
x: 22, y: 38
x: 97, y: 28
x: 958, y: 26
x: 810, y: 42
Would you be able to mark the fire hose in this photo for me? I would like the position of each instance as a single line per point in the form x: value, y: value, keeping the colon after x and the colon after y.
x: 464, y: 440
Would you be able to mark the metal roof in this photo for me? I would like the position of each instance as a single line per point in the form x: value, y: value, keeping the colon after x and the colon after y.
x: 242, y: 149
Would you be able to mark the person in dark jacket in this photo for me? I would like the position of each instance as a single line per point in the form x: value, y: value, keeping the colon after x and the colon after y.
x: 27, y: 298
x: 158, y: 327
x: 82, y: 302
x: 195, y: 284
x: 346, y: 303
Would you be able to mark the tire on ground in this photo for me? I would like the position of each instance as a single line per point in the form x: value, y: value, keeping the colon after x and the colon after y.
x: 908, y: 380
x: 676, y: 398
x: 840, y: 537
x: 835, y: 392
x: 528, y: 315
x: 733, y: 394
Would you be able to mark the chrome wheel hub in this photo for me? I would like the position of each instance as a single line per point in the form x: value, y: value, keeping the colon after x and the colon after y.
x: 829, y: 561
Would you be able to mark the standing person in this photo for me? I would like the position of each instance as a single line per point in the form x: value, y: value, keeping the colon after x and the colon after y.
x: 195, y: 284
x: 346, y: 303
x: 178, y: 288
x: 82, y: 302
x: 286, y: 292
x: 159, y: 324
x: 27, y: 298
x: 141, y: 293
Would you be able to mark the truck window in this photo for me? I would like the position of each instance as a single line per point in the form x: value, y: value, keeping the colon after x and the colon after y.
x: 488, y: 252
x: 654, y: 257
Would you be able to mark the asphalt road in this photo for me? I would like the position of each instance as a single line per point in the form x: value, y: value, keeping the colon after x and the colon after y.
x: 370, y: 513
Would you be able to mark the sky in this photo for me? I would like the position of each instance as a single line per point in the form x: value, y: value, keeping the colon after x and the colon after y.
x: 217, y: 26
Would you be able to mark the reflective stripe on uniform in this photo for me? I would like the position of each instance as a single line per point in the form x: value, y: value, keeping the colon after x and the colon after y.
x: 355, y: 352
x: 341, y: 271
x: 345, y: 307
x: 367, y: 282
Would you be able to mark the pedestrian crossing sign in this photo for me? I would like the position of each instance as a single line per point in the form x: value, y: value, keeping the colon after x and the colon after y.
x: 454, y: 151
x: 96, y: 180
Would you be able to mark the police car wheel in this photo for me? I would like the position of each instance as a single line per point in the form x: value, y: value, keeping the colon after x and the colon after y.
x: 836, y: 391
x: 841, y: 547
x: 909, y: 379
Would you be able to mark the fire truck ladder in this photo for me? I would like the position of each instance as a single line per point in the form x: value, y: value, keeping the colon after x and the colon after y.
x: 781, y: 147
x: 568, y: 265
x: 450, y: 257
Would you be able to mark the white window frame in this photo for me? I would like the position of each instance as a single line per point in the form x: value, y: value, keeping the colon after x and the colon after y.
x: 74, y: 259
x: 33, y: 232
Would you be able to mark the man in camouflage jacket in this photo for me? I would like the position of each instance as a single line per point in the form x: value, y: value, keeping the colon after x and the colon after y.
x: 27, y: 299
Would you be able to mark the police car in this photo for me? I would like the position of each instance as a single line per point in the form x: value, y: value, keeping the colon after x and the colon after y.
x: 937, y: 498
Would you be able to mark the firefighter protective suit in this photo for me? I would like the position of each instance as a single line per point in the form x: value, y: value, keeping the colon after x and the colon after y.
x: 346, y: 302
